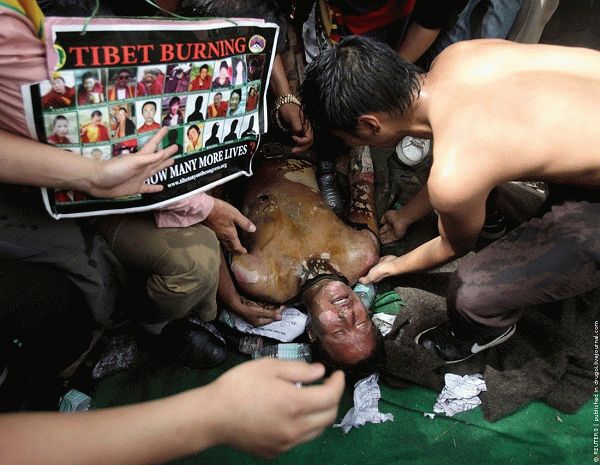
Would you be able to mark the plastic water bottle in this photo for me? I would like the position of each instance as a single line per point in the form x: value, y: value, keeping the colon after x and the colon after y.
x: 366, y: 293
x: 289, y: 351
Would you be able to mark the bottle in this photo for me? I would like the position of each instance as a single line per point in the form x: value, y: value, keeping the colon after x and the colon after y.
x: 366, y: 293
x: 289, y: 351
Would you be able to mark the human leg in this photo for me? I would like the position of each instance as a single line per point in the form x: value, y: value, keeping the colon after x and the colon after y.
x: 180, y: 267
x: 545, y: 260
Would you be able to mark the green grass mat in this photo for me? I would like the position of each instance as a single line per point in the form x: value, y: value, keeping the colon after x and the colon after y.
x: 536, y: 434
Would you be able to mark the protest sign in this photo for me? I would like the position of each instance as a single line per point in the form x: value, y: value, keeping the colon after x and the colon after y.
x: 112, y: 86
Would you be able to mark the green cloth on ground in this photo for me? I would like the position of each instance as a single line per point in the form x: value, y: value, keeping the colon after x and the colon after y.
x: 535, y: 434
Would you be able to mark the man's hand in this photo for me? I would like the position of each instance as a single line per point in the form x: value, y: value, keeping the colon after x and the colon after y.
x: 125, y: 174
x: 302, y: 134
x: 394, y: 227
x: 384, y: 268
x: 223, y: 219
x: 265, y: 414
x: 257, y: 313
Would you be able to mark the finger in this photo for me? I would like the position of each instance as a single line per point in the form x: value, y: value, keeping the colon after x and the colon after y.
x: 244, y: 223
x: 151, y: 188
x: 234, y: 245
x: 324, y: 396
x: 295, y: 371
x: 156, y: 139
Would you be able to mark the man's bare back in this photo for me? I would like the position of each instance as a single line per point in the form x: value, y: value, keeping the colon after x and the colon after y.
x: 297, y: 235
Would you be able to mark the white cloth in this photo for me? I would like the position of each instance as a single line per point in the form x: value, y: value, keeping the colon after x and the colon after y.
x: 459, y: 394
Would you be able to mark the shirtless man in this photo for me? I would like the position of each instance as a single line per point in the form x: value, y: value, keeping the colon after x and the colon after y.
x: 302, y: 249
x: 497, y: 112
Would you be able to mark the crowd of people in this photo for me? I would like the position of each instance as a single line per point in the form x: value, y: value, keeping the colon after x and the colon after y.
x: 420, y: 75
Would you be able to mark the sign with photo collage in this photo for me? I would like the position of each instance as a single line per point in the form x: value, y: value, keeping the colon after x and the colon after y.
x: 114, y: 86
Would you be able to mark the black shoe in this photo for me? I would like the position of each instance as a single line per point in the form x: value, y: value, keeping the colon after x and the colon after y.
x: 442, y: 341
x: 191, y: 344
x: 494, y: 226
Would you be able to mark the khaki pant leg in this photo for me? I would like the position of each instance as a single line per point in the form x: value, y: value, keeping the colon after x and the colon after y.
x: 182, y: 263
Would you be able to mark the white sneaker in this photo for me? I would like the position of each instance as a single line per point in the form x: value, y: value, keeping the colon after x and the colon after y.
x: 412, y: 150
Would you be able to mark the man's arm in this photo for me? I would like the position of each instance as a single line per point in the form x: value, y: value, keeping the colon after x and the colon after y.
x: 25, y: 161
x: 459, y: 224
x: 255, y: 407
x: 396, y: 222
x: 255, y: 313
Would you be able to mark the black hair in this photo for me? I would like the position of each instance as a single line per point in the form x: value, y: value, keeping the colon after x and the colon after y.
x: 149, y: 102
x: 59, y: 118
x: 223, y: 65
x: 358, y: 76
x: 174, y: 100
x: 87, y: 75
x: 357, y: 371
x: 97, y: 113
x: 238, y: 92
x: 205, y: 66
x: 193, y: 126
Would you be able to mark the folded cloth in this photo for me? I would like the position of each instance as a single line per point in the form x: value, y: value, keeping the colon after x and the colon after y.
x: 548, y: 358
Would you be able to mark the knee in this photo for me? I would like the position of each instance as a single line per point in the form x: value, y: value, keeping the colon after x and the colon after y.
x: 463, y: 298
x: 189, y: 269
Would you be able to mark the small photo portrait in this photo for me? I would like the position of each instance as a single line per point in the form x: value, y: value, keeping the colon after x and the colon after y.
x: 90, y: 90
x: 93, y: 125
x: 222, y: 76
x: 232, y: 129
x: 193, y: 137
x: 201, y: 75
x: 125, y: 147
x: 61, y: 129
x: 218, y: 104
x: 213, y: 133
x: 238, y: 65
x: 196, y: 108
x: 178, y: 78
x: 174, y: 137
x: 98, y: 152
x: 148, y: 113
x: 122, y: 120
x: 151, y: 80
x: 173, y: 109
x: 237, y: 105
x: 121, y: 84
x: 68, y: 196
x: 255, y: 64
x: 59, y: 91
x: 252, y: 96
x: 250, y: 125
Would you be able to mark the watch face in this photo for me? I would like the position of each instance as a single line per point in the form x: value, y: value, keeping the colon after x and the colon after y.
x: 411, y: 150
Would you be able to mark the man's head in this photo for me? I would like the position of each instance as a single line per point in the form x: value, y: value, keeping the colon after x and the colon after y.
x: 58, y: 85
x: 122, y: 114
x: 150, y: 76
x: 340, y: 321
x: 203, y: 72
x: 122, y: 78
x: 96, y: 117
x: 223, y: 70
x: 193, y: 132
x: 217, y: 99
x: 61, y: 126
x: 148, y: 111
x: 234, y: 100
x: 88, y: 81
x: 348, y: 83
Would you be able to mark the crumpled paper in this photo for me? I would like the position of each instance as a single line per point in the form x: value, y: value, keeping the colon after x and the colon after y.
x: 366, y: 405
x: 459, y: 394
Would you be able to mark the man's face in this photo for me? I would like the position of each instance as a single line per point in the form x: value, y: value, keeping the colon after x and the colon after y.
x: 88, y: 84
x: 223, y: 72
x: 234, y: 101
x: 123, y: 79
x: 96, y: 119
x: 58, y: 85
x: 148, y: 112
x: 341, y: 322
x: 149, y: 79
x: 203, y: 73
x: 61, y: 127
x: 217, y: 99
x: 193, y: 134
x: 174, y: 107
